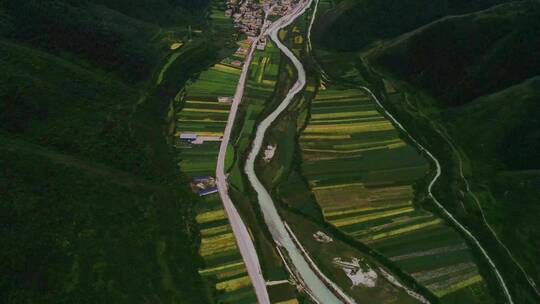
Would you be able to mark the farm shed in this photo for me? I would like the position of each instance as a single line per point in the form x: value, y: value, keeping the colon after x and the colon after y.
x: 188, y: 136
x: 208, y: 191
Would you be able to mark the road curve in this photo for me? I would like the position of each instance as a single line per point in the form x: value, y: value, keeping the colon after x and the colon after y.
x: 241, y: 233
x: 439, y: 205
x: 311, y: 278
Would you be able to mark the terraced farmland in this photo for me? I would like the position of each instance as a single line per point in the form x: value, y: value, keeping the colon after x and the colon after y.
x: 260, y: 86
x: 362, y: 174
x: 204, y: 116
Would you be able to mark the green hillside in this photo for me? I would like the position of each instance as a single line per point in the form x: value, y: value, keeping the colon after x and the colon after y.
x: 354, y: 24
x: 93, y: 207
x: 457, y: 59
x: 503, y: 127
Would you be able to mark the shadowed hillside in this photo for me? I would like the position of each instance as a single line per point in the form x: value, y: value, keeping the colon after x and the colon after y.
x: 93, y: 207
x: 457, y: 59
x: 88, y: 34
x: 354, y: 24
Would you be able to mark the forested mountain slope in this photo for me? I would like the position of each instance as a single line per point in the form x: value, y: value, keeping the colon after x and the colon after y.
x: 93, y: 209
x: 457, y: 59
x: 354, y: 24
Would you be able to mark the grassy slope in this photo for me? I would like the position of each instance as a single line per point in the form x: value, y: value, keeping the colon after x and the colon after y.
x: 500, y: 133
x: 352, y: 25
x: 92, y: 207
x: 460, y: 58
x: 91, y: 35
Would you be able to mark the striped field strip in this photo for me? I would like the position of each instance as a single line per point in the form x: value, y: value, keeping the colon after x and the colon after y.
x: 402, y: 230
x: 361, y: 219
x: 204, y: 110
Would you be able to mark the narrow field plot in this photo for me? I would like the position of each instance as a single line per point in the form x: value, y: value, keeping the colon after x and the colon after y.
x: 227, y: 69
x: 233, y: 284
x: 208, y: 232
x: 211, y: 216
x: 350, y: 127
x: 223, y: 268
x: 370, y: 217
x: 403, y: 230
x: 462, y: 282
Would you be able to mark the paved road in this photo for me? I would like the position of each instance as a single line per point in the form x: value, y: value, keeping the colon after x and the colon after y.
x: 241, y: 233
x: 439, y: 205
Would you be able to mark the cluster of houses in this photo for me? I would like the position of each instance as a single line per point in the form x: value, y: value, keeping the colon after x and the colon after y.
x: 204, y: 185
x: 248, y: 15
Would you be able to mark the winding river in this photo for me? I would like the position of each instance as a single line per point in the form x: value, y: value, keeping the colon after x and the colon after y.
x: 311, y: 280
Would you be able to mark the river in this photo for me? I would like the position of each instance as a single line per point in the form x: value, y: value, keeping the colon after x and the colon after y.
x: 310, y: 279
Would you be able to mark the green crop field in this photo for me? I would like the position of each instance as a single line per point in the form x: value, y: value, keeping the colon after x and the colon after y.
x: 362, y: 175
x: 202, y: 114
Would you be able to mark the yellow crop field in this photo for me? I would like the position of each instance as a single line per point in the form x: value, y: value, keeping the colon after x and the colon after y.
x: 203, y: 102
x: 322, y: 116
x: 468, y: 282
x: 365, y: 218
x: 358, y: 119
x: 269, y: 82
x: 215, y: 230
x: 341, y: 94
x: 383, y: 143
x: 402, y: 230
x: 226, y: 69
x: 395, y: 222
x: 346, y: 136
x: 234, y: 284
x: 344, y: 152
x: 397, y: 145
x: 204, y: 110
x: 291, y: 301
x: 176, y: 46
x: 354, y: 100
x: 231, y: 273
x: 224, y: 267
x: 352, y: 196
x: 350, y: 128
x: 201, y: 133
x: 212, y: 245
x: 201, y: 120
x: 328, y: 212
x: 310, y: 88
x: 211, y: 216
x: 338, y: 186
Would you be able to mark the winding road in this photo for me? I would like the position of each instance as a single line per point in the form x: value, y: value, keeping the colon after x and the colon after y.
x: 439, y: 205
x: 241, y: 233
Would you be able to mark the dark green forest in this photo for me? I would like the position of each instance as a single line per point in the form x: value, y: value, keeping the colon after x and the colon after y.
x: 92, y: 206
x: 352, y: 24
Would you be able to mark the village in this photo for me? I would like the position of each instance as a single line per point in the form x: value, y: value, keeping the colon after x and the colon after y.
x: 248, y: 18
